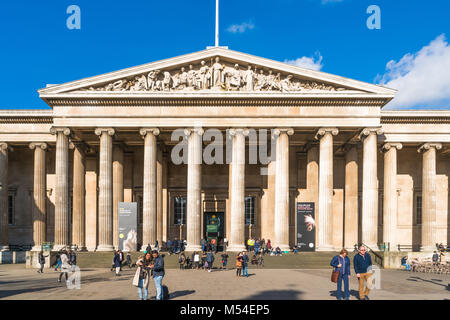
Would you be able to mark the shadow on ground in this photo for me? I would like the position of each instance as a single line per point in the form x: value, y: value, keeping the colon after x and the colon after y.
x: 276, y: 295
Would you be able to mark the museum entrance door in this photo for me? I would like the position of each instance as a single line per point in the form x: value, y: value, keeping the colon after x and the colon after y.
x: 214, y: 228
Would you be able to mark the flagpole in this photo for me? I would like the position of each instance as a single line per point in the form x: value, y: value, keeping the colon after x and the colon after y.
x: 217, y: 23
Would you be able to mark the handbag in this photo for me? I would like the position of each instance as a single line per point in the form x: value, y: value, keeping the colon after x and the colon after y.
x: 335, y: 275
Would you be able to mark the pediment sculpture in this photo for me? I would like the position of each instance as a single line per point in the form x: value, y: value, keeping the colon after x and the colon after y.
x: 216, y: 76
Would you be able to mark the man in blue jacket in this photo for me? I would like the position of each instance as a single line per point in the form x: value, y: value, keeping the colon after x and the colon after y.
x: 362, y: 263
x: 158, y: 273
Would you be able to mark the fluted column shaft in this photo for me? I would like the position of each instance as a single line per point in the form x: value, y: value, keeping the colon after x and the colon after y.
x: 61, y: 188
x: 118, y: 190
x: 79, y: 192
x: 149, y: 227
x: 429, y: 195
x: 390, y: 194
x: 237, y: 234
x: 351, y: 197
x: 4, y: 241
x: 39, y: 196
x: 194, y: 189
x: 281, y: 225
x: 369, y: 218
x: 325, y: 221
x: 105, y: 200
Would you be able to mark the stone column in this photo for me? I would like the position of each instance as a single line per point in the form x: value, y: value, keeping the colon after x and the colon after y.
x: 39, y: 196
x: 237, y: 214
x: 4, y: 240
x: 105, y: 199
x: 428, y: 151
x: 61, y: 188
x: 194, y: 189
x: 78, y: 196
x: 325, y: 210
x: 369, y: 218
x: 281, y: 225
x: 118, y: 191
x: 351, y: 197
x: 390, y: 194
x: 149, y: 227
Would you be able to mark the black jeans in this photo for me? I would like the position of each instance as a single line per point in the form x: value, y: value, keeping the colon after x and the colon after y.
x: 61, y: 275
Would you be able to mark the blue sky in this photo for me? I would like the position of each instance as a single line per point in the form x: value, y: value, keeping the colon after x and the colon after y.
x: 330, y: 35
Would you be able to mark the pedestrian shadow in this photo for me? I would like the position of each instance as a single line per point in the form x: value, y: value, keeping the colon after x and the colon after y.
x: 432, y: 281
x: 182, y: 293
x: 353, y: 293
x: 9, y: 293
x: 276, y: 295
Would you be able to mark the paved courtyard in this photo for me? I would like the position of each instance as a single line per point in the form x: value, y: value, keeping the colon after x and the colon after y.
x: 19, y: 283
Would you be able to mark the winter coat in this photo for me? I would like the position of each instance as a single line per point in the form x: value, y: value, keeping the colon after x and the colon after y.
x: 137, y: 274
x: 339, y: 260
x: 65, y: 266
x: 158, y: 267
x: 117, y: 260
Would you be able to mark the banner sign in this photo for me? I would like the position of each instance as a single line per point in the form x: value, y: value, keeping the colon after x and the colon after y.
x: 306, y: 226
x: 128, y: 226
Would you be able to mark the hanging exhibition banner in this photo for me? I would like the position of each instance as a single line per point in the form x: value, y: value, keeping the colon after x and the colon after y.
x: 128, y: 226
x: 306, y: 226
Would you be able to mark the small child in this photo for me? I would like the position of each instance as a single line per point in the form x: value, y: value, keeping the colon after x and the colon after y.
x: 260, y: 260
x: 238, y: 266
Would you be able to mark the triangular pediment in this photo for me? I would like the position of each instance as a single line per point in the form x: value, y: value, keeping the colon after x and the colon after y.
x: 216, y: 71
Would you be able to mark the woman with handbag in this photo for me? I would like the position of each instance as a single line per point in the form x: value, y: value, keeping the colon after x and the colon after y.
x: 341, y: 272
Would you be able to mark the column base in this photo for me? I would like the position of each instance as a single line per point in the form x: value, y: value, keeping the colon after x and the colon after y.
x: 236, y: 248
x: 59, y: 247
x: 91, y: 249
x: 105, y: 248
x: 37, y: 248
x: 325, y: 248
x: 192, y: 248
x: 428, y: 249
x: 4, y: 248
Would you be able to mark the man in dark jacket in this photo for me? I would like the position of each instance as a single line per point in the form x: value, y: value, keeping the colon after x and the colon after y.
x: 158, y: 273
x: 245, y: 264
x: 41, y: 260
x: 73, y: 259
x: 210, y: 260
x: 362, y: 263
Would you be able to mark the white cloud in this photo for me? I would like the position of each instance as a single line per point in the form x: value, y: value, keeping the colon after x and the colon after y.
x: 313, y: 63
x: 241, y: 28
x: 421, y: 78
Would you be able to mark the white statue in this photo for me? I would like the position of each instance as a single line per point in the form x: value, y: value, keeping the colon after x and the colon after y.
x: 205, y: 76
x: 167, y: 81
x: 151, y: 79
x: 217, y: 73
x: 192, y: 77
x: 235, y: 79
x: 249, y: 79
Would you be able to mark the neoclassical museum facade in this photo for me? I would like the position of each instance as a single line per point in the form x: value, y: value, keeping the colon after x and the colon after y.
x: 219, y: 131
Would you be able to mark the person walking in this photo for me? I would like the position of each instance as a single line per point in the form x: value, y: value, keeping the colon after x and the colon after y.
x: 58, y: 261
x: 158, y: 273
x: 203, y: 244
x: 65, y: 267
x: 341, y: 264
x: 182, y: 261
x: 129, y: 262
x: 157, y: 245
x: 435, y: 258
x: 362, y: 262
x: 149, y: 248
x: 41, y: 260
x: 117, y: 263
x: 224, y: 260
x: 142, y: 278
x: 245, y: 264
x: 196, y: 260
x: 121, y: 259
x: 239, y: 264
x: 210, y: 260
x: 73, y: 260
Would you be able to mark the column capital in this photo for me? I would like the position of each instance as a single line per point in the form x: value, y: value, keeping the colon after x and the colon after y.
x: 189, y: 131
x: 63, y: 130
x: 278, y: 131
x: 387, y: 146
x: 429, y: 145
x: 235, y: 131
x: 34, y: 145
x: 5, y: 147
x: 144, y: 131
x: 109, y: 131
x: 80, y: 145
x: 323, y: 131
x: 368, y: 131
